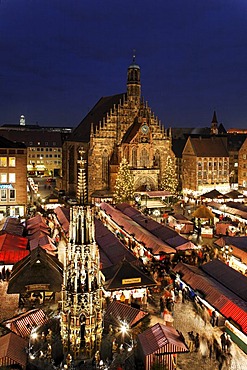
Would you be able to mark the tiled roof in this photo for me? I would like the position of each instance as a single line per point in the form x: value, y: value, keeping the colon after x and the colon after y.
x: 6, y: 143
x: 97, y: 113
x: 209, y: 146
x: 37, y: 138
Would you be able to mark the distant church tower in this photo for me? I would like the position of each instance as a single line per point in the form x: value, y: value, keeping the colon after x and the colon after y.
x: 214, y: 125
x: 81, y: 326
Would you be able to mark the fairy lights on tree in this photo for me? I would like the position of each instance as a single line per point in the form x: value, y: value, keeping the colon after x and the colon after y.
x: 169, y: 179
x: 124, y: 187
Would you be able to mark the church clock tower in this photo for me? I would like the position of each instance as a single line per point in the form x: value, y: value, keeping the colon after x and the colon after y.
x: 134, y: 83
x: 81, y: 326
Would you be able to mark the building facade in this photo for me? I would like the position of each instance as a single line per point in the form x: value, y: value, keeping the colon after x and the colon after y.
x: 118, y: 126
x: 242, y: 166
x: 205, y: 164
x: 44, y: 146
x: 13, y: 179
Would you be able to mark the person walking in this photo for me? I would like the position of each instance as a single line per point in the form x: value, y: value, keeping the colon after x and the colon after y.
x: 197, y: 342
x: 191, y: 341
x: 228, y: 344
x: 223, y: 341
x: 162, y: 306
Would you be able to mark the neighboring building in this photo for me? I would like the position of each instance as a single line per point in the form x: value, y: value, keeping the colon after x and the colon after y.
x: 242, y: 166
x: 205, y: 164
x: 44, y: 146
x: 118, y: 126
x: 180, y: 136
x: 13, y: 179
x: 234, y: 143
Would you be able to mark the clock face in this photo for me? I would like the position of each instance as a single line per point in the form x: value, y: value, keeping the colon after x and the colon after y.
x: 145, y: 129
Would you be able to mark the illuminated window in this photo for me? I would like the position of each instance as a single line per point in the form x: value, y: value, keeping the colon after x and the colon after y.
x: 12, y: 194
x: 3, y: 178
x: 3, y: 161
x: 12, y: 177
x: 11, y: 161
x: 3, y: 195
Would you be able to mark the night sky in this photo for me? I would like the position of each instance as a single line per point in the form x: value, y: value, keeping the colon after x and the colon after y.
x: 59, y: 57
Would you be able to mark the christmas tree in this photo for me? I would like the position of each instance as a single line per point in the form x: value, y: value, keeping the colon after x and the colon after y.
x: 169, y: 179
x: 124, y: 187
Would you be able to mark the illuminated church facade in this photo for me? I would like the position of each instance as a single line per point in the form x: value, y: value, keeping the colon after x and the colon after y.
x: 117, y: 127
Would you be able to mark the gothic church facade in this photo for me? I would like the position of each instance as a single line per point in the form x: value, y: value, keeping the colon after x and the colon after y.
x: 117, y: 127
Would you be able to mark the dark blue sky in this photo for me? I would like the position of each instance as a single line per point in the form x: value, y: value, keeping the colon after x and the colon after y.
x: 58, y: 57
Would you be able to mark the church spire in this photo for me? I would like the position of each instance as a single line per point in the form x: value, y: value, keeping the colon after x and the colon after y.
x: 214, y: 124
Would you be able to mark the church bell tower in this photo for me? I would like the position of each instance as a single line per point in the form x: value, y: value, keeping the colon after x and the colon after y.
x: 81, y: 326
x: 134, y: 83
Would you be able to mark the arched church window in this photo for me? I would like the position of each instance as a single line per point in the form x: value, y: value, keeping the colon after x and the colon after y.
x: 144, y: 160
x: 134, y: 158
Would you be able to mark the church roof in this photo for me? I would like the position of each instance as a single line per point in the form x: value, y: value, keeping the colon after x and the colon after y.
x: 132, y: 131
x: 96, y: 114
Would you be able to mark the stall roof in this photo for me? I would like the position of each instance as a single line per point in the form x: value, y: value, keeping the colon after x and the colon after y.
x: 12, y: 225
x: 237, y: 241
x: 63, y: 216
x: 233, y: 208
x: 110, y: 248
x: 221, y: 272
x: 162, y: 232
x: 227, y: 302
x: 37, y: 268
x: 162, y: 337
x: 117, y: 312
x: 36, y: 220
x: 235, y: 194
x: 45, y: 242
x: 142, y: 235
x: 23, y: 324
x: 126, y: 275
x: 182, y: 218
x: 214, y: 194
x: 203, y: 212
x: 13, y: 248
x: 180, y: 243
x: 13, y: 350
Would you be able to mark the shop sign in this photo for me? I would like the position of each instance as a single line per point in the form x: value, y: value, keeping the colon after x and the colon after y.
x: 131, y: 281
x: 38, y: 287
